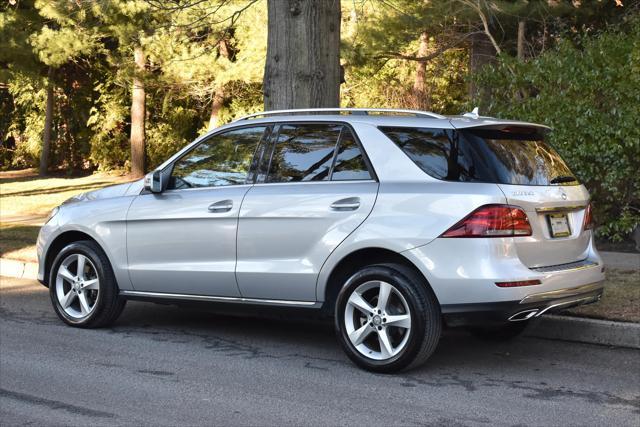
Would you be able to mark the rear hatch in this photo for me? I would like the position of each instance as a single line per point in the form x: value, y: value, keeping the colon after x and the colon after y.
x: 530, y: 173
x: 533, y: 176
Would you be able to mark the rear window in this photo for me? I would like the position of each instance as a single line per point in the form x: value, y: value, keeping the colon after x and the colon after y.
x: 516, y: 156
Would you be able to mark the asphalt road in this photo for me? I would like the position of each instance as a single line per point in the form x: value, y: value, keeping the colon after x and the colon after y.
x: 171, y: 366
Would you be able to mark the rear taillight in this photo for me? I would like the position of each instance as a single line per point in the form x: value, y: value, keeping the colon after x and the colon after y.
x: 492, y: 221
x: 587, y: 224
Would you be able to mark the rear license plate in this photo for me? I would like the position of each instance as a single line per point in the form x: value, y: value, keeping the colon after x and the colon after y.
x: 559, y: 225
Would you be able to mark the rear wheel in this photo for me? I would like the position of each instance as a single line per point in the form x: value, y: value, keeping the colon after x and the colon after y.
x: 387, y: 319
x: 82, y: 286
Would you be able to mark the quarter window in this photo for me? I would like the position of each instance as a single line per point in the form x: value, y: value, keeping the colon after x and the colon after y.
x: 350, y: 164
x: 504, y: 155
x: 223, y: 159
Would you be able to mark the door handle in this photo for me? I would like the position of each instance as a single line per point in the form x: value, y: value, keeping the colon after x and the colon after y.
x: 348, y: 204
x: 222, y: 206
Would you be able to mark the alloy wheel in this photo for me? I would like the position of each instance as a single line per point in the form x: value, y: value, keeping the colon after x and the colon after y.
x: 77, y: 286
x: 377, y: 320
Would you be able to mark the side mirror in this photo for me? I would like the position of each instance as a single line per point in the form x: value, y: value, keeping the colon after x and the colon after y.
x: 153, y: 182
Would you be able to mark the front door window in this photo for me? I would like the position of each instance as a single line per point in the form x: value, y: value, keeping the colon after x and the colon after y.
x: 224, y: 159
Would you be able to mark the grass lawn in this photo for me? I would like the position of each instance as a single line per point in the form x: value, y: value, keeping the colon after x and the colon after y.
x: 620, y: 301
x: 18, y: 241
x: 26, y: 199
x: 24, y: 193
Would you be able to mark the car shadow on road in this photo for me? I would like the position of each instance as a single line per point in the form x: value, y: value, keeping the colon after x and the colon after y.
x: 258, y: 333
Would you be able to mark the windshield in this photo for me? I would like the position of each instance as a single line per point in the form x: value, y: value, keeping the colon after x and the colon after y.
x: 516, y: 156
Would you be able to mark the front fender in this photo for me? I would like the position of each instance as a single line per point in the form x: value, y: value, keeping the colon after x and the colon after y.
x: 103, y: 220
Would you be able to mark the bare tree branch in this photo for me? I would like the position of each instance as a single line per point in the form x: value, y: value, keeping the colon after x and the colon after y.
x: 432, y: 55
x: 485, y: 22
x: 159, y: 5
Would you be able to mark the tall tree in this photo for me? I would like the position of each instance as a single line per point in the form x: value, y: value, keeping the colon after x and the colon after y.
x: 419, y: 86
x: 138, y: 160
x: 481, y: 53
x: 44, y: 54
x: 217, y: 97
x: 521, y: 36
x: 18, y: 61
x: 303, y: 54
x: 48, y: 120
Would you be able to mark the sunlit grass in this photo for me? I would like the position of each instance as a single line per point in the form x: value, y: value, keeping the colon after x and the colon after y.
x: 621, y: 299
x: 24, y: 193
x: 26, y: 199
x: 18, y: 241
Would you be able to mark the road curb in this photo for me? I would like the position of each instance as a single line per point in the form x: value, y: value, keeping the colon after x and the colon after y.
x: 592, y: 331
x: 19, y: 269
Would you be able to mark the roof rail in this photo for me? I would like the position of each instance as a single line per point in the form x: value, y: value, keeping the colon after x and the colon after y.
x: 355, y: 111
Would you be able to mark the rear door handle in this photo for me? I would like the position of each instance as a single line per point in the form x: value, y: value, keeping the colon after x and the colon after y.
x: 348, y: 204
x: 221, y: 206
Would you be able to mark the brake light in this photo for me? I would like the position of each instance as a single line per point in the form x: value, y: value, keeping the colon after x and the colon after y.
x: 492, y: 221
x: 587, y: 224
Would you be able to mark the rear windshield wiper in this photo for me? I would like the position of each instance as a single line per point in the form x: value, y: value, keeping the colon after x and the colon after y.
x: 563, y: 178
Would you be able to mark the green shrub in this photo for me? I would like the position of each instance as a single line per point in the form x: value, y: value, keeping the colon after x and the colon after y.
x: 589, y: 93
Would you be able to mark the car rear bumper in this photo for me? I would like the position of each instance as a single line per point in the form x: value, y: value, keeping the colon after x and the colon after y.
x: 530, y: 307
x: 463, y: 274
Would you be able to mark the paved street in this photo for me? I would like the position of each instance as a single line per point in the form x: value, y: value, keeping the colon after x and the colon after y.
x: 165, y: 365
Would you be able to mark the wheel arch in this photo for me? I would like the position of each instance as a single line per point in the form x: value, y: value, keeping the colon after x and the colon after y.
x: 355, y: 260
x: 63, y: 239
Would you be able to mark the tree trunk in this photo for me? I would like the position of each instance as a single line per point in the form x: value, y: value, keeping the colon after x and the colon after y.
x: 419, y: 88
x: 303, y: 54
x: 48, y: 120
x: 521, y: 33
x: 138, y: 116
x: 216, y: 106
x: 481, y: 53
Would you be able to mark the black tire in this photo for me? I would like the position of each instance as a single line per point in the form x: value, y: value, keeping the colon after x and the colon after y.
x: 505, y: 332
x: 108, y: 304
x: 426, y: 319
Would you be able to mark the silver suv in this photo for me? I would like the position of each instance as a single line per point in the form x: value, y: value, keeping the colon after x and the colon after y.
x: 394, y: 222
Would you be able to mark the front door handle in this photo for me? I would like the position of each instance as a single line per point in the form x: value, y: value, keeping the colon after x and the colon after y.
x: 348, y: 204
x: 221, y: 206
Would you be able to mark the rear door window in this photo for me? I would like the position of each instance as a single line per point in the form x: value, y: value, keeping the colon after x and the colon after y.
x: 316, y: 152
x: 518, y: 156
x: 303, y: 153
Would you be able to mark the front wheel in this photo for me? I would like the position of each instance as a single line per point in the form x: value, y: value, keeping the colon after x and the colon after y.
x: 387, y: 318
x: 83, y: 288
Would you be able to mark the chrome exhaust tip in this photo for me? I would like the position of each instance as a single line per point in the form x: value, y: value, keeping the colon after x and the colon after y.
x: 523, y: 315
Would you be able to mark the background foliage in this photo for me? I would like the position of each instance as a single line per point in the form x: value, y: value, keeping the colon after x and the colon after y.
x: 588, y: 91
x: 577, y: 71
